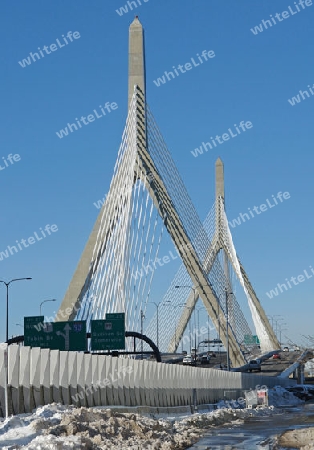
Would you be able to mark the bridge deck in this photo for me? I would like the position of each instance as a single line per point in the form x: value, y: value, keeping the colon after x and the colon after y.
x: 270, y: 367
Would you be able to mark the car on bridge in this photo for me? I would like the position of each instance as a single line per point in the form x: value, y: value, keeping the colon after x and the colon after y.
x: 187, y: 360
x: 220, y: 367
x: 276, y: 356
x: 254, y: 364
x: 205, y: 359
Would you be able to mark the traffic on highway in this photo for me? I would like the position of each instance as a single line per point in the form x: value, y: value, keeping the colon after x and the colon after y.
x: 273, y: 366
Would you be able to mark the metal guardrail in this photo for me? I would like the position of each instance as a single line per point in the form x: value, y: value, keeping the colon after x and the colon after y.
x: 303, y: 358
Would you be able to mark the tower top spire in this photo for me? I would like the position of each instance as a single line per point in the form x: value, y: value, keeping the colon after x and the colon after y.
x: 136, y: 57
x: 220, y: 184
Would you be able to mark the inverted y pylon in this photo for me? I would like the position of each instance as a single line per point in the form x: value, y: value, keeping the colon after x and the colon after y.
x: 222, y: 241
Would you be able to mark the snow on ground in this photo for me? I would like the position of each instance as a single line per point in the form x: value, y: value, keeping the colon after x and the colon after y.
x: 279, y: 396
x: 302, y: 439
x: 59, y: 427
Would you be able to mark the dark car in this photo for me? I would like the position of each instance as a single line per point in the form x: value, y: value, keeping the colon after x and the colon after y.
x: 221, y: 367
x: 205, y: 359
x: 301, y: 392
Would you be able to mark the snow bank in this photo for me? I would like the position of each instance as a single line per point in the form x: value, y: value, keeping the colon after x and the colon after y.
x: 61, y: 427
x: 302, y: 439
x: 279, y: 396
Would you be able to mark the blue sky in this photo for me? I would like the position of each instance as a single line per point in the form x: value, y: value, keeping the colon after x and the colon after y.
x: 56, y: 181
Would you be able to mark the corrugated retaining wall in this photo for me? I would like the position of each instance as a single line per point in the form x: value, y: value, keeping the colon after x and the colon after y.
x: 41, y: 376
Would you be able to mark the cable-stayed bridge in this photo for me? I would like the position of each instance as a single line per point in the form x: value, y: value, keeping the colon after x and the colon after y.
x: 147, y: 199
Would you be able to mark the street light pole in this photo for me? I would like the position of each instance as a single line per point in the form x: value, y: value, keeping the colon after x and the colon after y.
x: 49, y: 300
x: 142, y: 317
x: 175, y: 337
x: 227, y: 332
x: 198, y: 318
x: 194, y: 291
x: 157, y: 326
x: 195, y: 346
x: 208, y: 336
x: 157, y: 317
x: 272, y: 320
x: 280, y: 331
x: 276, y: 322
x: 7, y: 284
x: 6, y: 353
x: 175, y: 332
x: 219, y: 327
x: 190, y: 332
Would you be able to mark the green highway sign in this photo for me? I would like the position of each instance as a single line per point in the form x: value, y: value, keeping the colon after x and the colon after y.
x: 251, y: 339
x: 113, y: 316
x: 68, y: 336
x: 108, y: 334
x: 56, y: 336
x: 33, y: 331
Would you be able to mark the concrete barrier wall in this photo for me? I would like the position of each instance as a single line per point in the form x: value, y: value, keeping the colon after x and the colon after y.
x: 41, y: 376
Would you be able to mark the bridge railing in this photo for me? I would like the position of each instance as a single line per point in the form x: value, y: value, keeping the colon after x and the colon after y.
x: 42, y: 376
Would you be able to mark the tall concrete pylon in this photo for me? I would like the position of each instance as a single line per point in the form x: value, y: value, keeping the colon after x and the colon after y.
x: 222, y: 241
x: 83, y: 273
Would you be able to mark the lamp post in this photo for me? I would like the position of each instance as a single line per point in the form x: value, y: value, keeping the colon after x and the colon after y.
x: 194, y: 291
x: 280, y: 331
x: 142, y: 318
x: 49, y: 300
x: 175, y: 330
x: 208, y: 337
x: 272, y: 321
x: 275, y: 320
x: 157, y: 325
x: 219, y: 327
x: 175, y: 326
x: 198, y: 318
x: 7, y: 284
x: 227, y: 331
